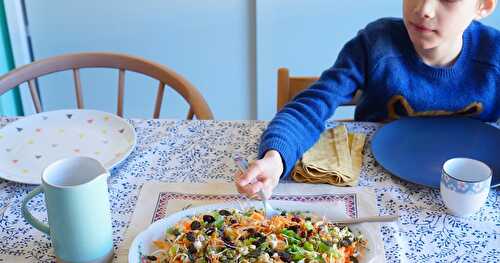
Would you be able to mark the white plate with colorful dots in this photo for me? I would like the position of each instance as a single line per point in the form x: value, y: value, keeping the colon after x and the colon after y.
x: 30, y: 144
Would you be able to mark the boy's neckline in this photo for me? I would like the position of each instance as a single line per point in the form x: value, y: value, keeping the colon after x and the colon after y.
x: 436, y: 60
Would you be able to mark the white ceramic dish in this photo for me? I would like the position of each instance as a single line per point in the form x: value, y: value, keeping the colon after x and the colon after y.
x: 29, y: 144
x: 142, y: 244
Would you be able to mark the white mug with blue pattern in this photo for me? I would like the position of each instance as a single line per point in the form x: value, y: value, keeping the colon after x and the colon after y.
x: 465, y: 185
x: 77, y: 200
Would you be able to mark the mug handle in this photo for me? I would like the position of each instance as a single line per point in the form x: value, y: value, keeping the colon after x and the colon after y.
x: 29, y: 217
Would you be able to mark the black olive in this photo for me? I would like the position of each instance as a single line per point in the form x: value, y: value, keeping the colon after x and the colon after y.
x: 308, y: 218
x: 226, y: 238
x: 195, y: 225
x: 285, y: 256
x: 233, y: 221
x: 251, y: 231
x: 191, y: 236
x: 294, y: 228
x: 257, y: 235
x: 210, y: 230
x: 229, y: 244
x: 153, y: 258
x: 353, y: 259
x: 224, y: 212
x: 192, y: 249
x: 345, y: 242
x: 208, y: 219
x: 283, y: 213
x: 259, y: 241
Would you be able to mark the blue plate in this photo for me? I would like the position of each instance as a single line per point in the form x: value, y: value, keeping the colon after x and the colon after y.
x: 415, y: 149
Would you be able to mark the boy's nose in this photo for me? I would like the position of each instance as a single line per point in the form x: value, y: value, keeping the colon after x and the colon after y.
x: 426, y: 8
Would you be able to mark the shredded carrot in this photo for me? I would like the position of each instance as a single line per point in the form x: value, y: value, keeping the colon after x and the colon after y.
x: 187, y: 226
x: 257, y: 216
x: 161, y: 244
x: 349, y: 250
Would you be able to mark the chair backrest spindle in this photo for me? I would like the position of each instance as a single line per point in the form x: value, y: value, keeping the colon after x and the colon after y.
x: 289, y: 87
x: 121, y: 92
x: 34, y: 95
x: 78, y: 88
x: 159, y: 100
x: 190, y: 114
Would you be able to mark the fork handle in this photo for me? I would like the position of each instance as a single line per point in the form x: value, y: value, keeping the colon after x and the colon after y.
x: 262, y: 196
x: 243, y: 166
x: 389, y: 218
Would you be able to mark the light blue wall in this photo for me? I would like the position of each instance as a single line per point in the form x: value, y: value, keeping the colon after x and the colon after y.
x: 209, y: 42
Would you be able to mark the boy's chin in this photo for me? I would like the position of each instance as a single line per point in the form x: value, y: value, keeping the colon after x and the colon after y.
x: 425, y: 45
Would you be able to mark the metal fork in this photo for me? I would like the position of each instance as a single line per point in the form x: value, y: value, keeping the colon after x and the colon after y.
x: 380, y: 219
x: 269, y: 211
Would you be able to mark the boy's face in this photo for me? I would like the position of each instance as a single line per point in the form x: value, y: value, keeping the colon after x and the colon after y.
x: 435, y: 23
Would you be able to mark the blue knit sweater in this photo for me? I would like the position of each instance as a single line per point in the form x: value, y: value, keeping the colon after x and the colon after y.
x: 382, y: 62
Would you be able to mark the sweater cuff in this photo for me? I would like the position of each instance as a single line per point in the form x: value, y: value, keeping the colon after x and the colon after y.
x: 287, y: 154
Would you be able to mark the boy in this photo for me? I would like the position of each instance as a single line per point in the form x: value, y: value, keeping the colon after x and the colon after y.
x: 435, y: 61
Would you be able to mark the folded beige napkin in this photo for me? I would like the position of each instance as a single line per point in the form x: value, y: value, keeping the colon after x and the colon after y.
x: 335, y: 159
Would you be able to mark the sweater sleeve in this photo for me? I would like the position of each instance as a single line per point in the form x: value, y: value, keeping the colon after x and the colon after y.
x: 298, y: 125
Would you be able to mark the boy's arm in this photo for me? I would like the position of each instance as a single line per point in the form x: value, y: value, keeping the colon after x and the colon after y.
x: 298, y: 125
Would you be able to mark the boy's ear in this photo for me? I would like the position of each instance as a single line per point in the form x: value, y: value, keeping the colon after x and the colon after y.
x: 486, y: 7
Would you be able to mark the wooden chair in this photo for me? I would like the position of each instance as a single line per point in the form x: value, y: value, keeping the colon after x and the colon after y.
x: 289, y: 87
x: 29, y: 73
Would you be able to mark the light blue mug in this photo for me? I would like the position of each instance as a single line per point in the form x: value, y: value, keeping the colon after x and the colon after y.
x: 77, y: 200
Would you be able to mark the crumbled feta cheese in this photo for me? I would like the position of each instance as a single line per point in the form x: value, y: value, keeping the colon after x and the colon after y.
x: 197, y: 244
x: 243, y: 250
x: 264, y: 258
x: 273, y: 240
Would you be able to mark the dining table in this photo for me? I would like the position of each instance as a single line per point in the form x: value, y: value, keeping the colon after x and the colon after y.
x: 201, y: 151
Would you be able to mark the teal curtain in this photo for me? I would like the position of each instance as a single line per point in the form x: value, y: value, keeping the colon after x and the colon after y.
x: 10, y: 102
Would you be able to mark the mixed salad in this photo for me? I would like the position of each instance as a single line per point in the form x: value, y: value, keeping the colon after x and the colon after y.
x: 247, y: 236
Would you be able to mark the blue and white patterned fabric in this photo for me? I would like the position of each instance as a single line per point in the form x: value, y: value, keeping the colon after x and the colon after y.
x: 200, y: 151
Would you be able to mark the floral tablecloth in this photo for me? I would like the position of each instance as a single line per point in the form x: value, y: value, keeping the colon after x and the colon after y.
x: 200, y: 151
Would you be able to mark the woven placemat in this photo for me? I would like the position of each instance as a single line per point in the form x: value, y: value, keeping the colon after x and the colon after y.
x: 158, y: 200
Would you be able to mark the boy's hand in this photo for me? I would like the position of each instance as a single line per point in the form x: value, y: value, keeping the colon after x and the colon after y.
x: 261, y: 174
